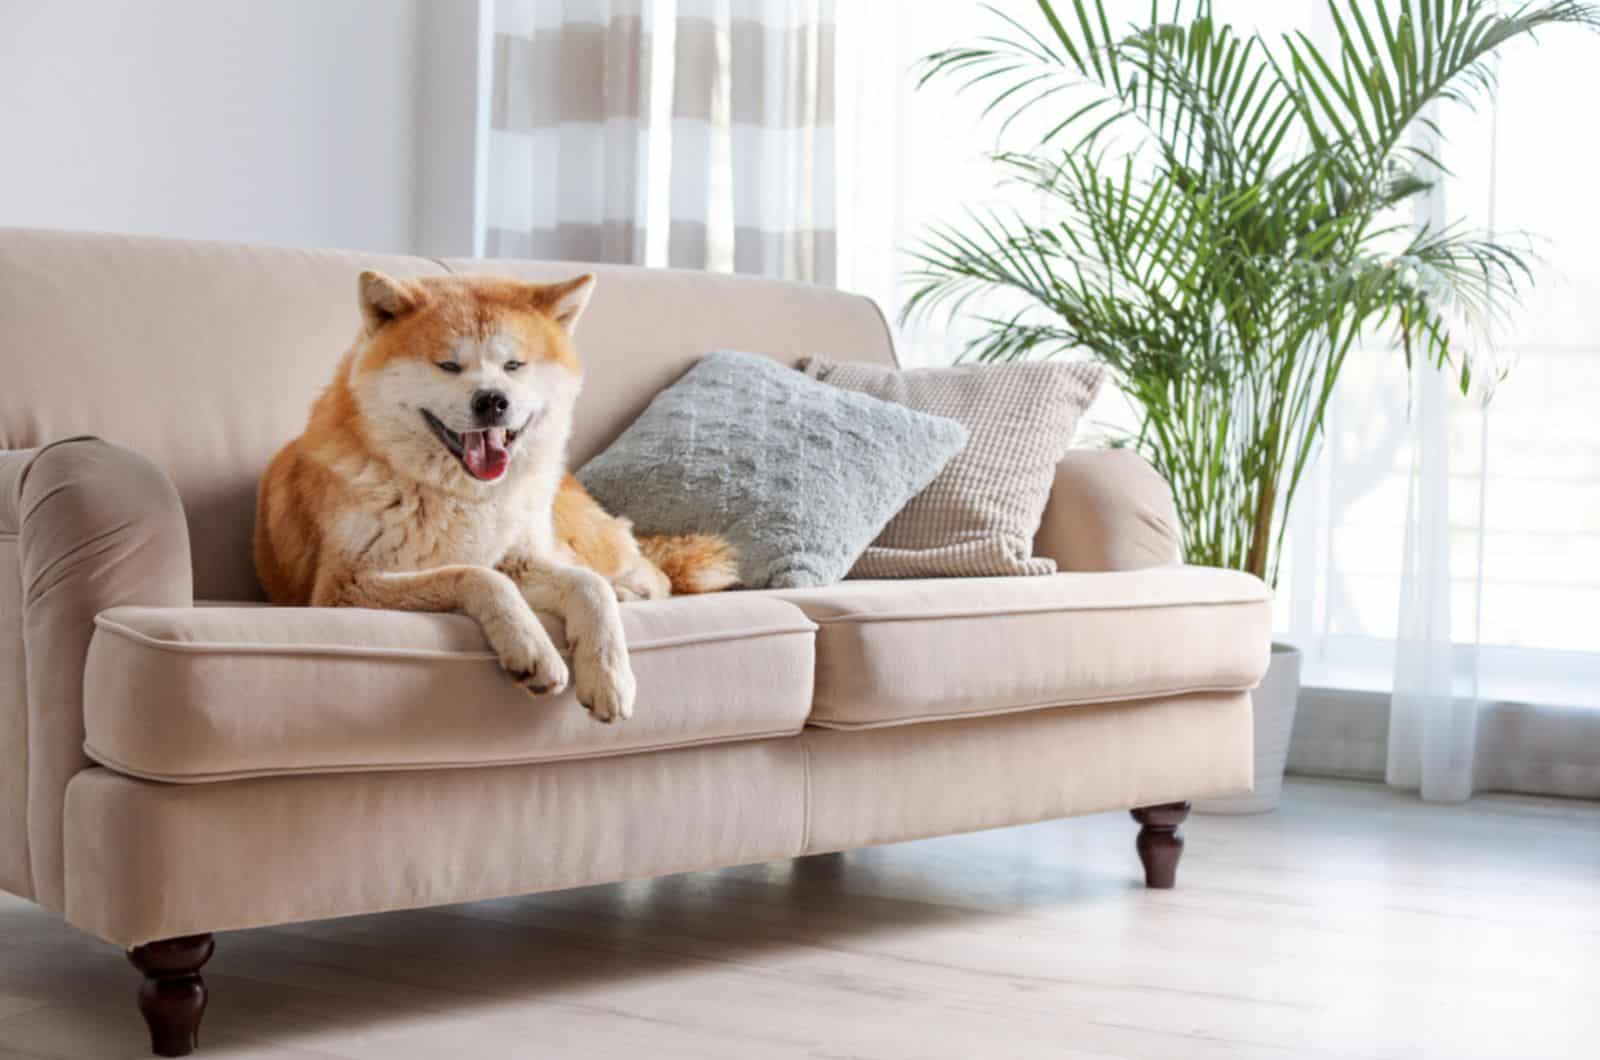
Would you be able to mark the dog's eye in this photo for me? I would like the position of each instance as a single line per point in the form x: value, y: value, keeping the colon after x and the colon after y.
x: 512, y: 366
x: 450, y: 366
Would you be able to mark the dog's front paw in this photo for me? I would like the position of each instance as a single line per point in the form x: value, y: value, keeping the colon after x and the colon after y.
x: 606, y: 687
x: 529, y: 656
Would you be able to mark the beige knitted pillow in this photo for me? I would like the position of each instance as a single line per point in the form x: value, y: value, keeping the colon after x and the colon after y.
x: 978, y: 517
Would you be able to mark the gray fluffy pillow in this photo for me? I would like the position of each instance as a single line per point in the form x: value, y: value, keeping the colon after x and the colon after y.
x: 798, y: 475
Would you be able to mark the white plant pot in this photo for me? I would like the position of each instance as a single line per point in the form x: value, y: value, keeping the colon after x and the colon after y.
x: 1272, y: 704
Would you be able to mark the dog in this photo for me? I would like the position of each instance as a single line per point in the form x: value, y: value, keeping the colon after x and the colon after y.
x: 430, y: 477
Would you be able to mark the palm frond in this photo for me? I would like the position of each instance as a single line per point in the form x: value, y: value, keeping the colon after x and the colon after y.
x: 1218, y: 225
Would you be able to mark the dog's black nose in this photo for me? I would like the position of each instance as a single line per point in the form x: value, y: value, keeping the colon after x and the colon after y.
x: 489, y: 406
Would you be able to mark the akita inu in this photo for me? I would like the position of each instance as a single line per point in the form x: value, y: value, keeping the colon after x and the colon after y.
x: 430, y: 478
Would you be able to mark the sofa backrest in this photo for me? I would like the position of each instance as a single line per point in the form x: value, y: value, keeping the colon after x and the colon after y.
x: 206, y: 356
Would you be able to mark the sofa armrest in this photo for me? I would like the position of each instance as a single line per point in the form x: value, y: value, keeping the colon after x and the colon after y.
x: 96, y: 525
x: 1109, y: 510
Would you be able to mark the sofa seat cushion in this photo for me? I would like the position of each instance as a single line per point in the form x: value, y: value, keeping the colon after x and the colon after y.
x: 217, y: 693
x: 897, y: 652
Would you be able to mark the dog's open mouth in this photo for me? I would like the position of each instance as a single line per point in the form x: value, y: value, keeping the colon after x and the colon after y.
x: 484, y: 453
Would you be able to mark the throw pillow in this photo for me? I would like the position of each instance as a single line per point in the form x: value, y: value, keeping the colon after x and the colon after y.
x: 980, y: 515
x: 797, y: 475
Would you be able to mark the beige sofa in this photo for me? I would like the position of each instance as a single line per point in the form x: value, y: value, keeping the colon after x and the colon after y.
x: 177, y: 759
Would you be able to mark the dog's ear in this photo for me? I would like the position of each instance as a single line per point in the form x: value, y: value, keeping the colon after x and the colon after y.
x: 383, y: 298
x: 565, y: 301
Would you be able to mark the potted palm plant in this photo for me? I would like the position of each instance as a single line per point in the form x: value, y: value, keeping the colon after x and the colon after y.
x: 1223, y: 217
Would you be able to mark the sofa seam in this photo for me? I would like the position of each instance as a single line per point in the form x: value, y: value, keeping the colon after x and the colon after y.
x: 277, y: 772
x: 1023, y: 708
x: 942, y: 616
x: 179, y: 647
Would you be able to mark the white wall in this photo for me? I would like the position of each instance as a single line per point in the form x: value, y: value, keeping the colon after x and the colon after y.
x: 282, y: 121
x: 453, y: 125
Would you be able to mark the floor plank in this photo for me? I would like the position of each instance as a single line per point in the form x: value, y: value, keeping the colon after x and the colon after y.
x: 1355, y: 922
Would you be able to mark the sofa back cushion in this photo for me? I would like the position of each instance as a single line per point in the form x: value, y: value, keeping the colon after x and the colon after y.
x: 206, y: 356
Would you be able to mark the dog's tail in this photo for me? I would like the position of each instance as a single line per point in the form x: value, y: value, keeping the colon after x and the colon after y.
x: 693, y: 563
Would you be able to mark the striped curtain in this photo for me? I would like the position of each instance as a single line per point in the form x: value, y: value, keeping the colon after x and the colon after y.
x: 720, y: 156
x: 752, y: 138
x: 570, y: 130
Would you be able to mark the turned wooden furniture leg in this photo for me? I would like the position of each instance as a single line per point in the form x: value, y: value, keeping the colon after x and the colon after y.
x: 1160, y: 844
x: 173, y: 996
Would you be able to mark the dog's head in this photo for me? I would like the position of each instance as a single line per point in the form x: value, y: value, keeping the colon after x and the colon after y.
x: 455, y: 376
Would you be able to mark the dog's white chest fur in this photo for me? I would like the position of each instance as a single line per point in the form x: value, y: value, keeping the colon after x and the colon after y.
x: 409, y: 526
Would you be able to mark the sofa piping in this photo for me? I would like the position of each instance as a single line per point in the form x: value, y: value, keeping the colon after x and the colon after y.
x: 184, y: 647
x: 223, y: 776
x: 1042, y: 609
x: 1023, y: 708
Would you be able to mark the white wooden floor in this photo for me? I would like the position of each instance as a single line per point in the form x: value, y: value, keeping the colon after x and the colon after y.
x: 1354, y: 922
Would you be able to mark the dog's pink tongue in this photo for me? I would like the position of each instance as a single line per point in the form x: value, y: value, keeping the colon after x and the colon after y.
x: 485, y: 453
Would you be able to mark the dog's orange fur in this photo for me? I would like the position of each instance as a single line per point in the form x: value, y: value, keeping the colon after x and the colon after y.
x: 693, y: 563
x: 370, y: 506
x: 679, y: 564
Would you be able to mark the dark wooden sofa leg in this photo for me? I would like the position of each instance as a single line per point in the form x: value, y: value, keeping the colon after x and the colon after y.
x: 173, y: 996
x: 1160, y: 844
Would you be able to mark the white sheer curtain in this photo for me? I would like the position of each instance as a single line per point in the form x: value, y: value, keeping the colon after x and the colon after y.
x: 1445, y: 553
x: 1432, y: 716
x: 1449, y: 553
x: 912, y: 156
